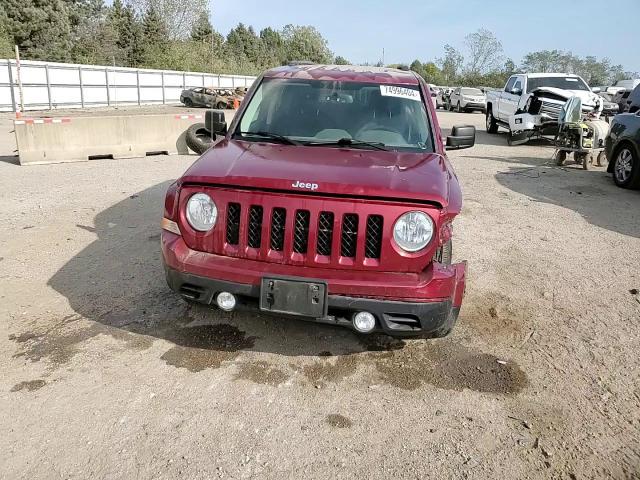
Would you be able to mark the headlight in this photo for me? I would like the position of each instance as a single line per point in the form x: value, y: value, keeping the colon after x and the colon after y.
x: 413, y: 231
x: 201, y: 212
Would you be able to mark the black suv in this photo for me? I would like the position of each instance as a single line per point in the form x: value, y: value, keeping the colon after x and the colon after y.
x: 622, y: 147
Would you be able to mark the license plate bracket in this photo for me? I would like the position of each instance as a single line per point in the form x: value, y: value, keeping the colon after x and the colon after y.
x: 292, y: 296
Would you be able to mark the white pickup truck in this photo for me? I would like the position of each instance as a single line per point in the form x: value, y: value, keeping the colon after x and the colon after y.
x: 530, y: 103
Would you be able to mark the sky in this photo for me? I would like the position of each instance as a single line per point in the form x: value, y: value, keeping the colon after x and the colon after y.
x: 359, y: 29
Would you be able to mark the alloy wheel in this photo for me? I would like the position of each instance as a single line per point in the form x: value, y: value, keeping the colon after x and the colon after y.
x: 624, y: 165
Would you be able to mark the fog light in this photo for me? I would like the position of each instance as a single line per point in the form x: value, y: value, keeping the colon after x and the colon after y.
x: 364, y: 322
x: 226, y: 301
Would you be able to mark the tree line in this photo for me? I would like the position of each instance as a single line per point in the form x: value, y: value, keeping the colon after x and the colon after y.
x: 166, y: 34
x: 482, y: 62
x: 178, y: 35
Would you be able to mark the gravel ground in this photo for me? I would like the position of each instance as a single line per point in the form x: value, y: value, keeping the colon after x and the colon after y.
x: 107, y: 374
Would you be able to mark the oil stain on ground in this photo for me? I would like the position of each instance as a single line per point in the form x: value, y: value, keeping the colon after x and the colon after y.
x: 262, y: 373
x: 204, y: 346
x: 449, y: 366
x: 29, y: 386
x: 330, y: 369
x: 410, y: 365
x: 334, y: 368
x: 338, y: 421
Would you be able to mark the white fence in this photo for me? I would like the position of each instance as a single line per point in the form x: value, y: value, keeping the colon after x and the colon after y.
x: 47, y: 85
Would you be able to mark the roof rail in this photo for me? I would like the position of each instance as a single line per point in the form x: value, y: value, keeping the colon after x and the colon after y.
x: 297, y: 63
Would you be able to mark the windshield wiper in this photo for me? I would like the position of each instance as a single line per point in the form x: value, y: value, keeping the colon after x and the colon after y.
x: 271, y: 136
x: 350, y: 142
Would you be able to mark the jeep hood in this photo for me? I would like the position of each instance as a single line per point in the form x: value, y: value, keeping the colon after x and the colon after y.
x: 589, y: 99
x: 417, y: 177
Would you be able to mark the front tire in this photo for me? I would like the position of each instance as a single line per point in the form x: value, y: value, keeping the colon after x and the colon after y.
x: 626, y: 168
x: 458, y: 109
x: 492, y: 124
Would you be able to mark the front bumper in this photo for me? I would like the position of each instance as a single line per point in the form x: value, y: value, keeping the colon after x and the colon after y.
x: 475, y: 106
x: 404, y: 304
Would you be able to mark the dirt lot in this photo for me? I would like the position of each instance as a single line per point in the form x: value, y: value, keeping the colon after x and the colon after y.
x: 107, y: 374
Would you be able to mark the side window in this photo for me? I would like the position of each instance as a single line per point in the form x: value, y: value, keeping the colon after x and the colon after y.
x: 197, y: 90
x: 518, y: 84
x: 510, y: 84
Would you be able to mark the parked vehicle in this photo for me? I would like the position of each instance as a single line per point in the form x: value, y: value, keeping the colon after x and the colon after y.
x: 628, y: 84
x: 622, y: 147
x: 442, y: 97
x: 621, y: 99
x: 632, y: 101
x: 467, y: 99
x: 610, y: 90
x: 206, y: 97
x: 436, y: 94
x: 341, y: 217
x: 531, y: 103
x: 609, y: 108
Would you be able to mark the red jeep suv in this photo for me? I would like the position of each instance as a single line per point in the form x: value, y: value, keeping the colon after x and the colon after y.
x: 329, y: 198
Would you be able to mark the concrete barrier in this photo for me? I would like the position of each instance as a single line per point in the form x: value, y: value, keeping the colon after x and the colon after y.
x: 77, y: 139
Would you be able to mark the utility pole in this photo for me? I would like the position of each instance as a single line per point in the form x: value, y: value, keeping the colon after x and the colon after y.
x: 19, y: 113
x: 383, y: 56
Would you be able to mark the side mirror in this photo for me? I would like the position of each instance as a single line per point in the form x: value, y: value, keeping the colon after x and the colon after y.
x: 215, y: 122
x: 596, y: 89
x: 516, y: 91
x: 462, y: 136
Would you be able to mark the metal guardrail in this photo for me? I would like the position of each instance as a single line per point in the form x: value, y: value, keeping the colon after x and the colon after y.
x: 65, y: 93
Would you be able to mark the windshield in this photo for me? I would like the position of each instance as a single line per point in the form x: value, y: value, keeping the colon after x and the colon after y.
x: 326, y: 111
x: 472, y: 91
x: 564, y: 83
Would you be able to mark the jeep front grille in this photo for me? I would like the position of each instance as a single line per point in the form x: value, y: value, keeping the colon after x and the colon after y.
x: 349, y: 240
x: 373, y: 241
x: 278, y: 219
x: 300, y: 241
x: 254, y: 232
x: 233, y: 223
x: 325, y: 233
x: 301, y: 233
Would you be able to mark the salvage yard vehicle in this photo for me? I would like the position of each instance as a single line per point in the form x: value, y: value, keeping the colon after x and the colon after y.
x: 530, y: 104
x: 623, y: 150
x: 329, y: 198
x: 609, y: 108
x: 465, y: 99
x: 633, y: 101
x: 206, y: 97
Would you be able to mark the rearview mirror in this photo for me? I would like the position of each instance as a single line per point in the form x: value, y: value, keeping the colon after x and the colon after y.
x: 596, y: 89
x: 516, y: 91
x: 462, y: 136
x: 215, y: 122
